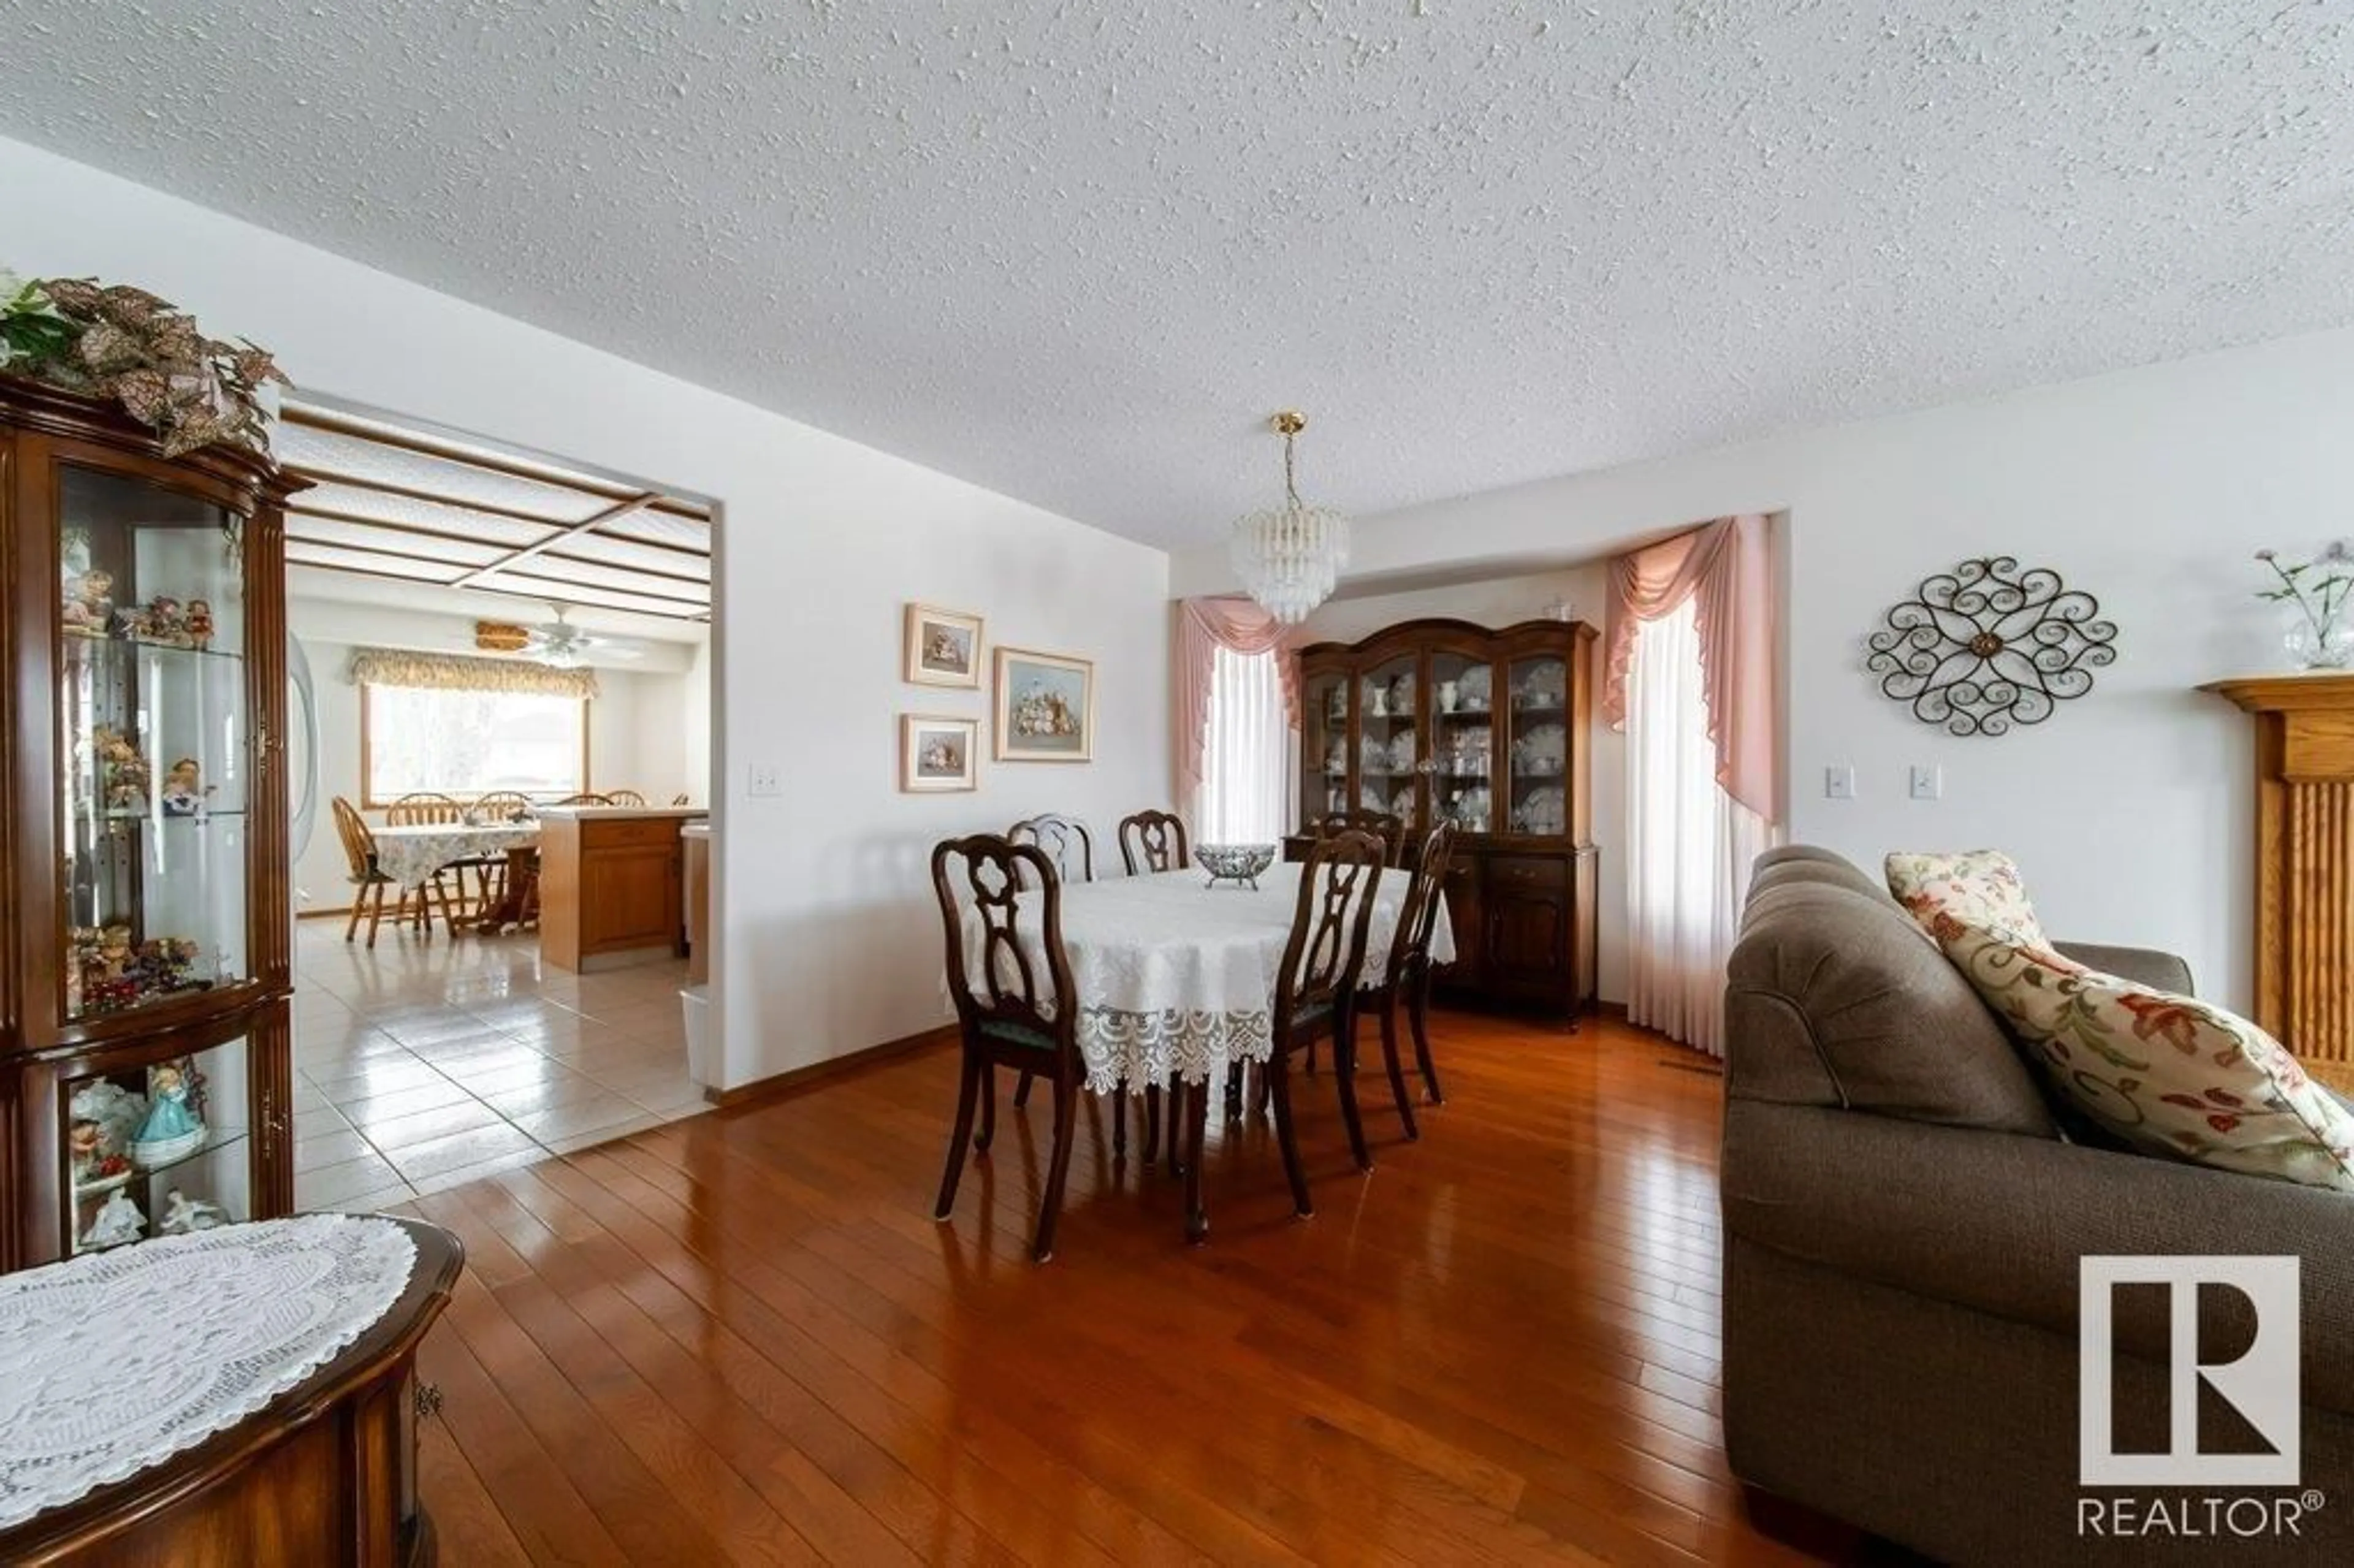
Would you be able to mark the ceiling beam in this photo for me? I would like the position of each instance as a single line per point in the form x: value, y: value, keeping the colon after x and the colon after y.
x: 588, y: 524
x: 684, y: 612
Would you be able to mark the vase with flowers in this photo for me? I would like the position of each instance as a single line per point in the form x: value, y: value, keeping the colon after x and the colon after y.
x: 2320, y: 634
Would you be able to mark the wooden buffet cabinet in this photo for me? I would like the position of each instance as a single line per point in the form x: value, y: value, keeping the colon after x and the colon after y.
x: 145, y: 938
x: 1434, y: 720
x: 612, y: 885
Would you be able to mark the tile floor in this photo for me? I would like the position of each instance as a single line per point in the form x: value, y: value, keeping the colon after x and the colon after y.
x: 422, y: 1064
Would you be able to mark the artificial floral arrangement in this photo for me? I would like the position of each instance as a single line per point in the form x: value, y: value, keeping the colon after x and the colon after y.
x: 2320, y: 639
x: 124, y: 343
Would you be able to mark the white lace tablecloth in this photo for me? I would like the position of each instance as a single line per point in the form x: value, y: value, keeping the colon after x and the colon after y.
x: 116, y: 1361
x: 410, y: 855
x: 1175, y: 976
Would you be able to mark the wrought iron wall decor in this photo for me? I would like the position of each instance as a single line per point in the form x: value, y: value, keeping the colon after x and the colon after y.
x: 1988, y: 646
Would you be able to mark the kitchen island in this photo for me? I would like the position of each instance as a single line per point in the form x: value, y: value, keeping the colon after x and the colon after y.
x: 612, y: 885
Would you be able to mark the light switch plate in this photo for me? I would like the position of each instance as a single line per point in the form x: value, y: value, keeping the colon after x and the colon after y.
x: 1838, y: 782
x: 1928, y: 781
x: 768, y: 778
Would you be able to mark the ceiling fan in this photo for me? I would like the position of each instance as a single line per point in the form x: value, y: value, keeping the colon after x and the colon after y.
x: 559, y: 643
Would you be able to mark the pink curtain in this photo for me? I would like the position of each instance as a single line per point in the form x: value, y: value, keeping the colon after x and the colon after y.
x: 1724, y: 563
x: 1204, y: 626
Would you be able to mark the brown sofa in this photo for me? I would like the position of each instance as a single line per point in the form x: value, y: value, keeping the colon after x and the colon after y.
x: 1904, y: 1222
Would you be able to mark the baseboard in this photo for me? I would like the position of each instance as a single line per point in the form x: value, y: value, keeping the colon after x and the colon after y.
x: 797, y: 1078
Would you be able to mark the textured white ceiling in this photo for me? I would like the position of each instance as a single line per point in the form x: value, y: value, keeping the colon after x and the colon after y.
x: 1077, y: 252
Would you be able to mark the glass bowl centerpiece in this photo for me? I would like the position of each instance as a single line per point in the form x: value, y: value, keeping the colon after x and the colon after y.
x: 1235, y: 863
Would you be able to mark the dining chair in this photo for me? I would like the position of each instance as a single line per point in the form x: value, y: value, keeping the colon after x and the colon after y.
x: 1386, y: 826
x: 1008, y: 1013
x: 1405, y: 975
x: 426, y: 808
x: 1067, y: 843
x: 585, y: 799
x: 501, y: 806
x: 624, y: 797
x: 365, y: 876
x: 493, y: 871
x: 1316, y: 991
x: 1152, y: 840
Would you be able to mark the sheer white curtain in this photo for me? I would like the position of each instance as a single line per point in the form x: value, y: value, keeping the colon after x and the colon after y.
x: 1689, y: 844
x: 1246, y: 766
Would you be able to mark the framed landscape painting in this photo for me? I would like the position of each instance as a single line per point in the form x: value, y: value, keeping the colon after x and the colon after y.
x: 936, y: 755
x: 943, y: 647
x: 1045, y: 707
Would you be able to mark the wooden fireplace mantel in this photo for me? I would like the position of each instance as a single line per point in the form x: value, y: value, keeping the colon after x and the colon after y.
x: 2304, y: 863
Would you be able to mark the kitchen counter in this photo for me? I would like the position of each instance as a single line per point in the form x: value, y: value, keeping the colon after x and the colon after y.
x: 612, y: 885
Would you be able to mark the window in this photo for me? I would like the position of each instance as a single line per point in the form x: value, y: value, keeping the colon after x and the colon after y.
x: 463, y: 743
x: 1245, y: 776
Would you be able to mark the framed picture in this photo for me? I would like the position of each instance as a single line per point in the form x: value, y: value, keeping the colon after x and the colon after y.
x: 936, y: 755
x: 943, y: 647
x: 1045, y: 707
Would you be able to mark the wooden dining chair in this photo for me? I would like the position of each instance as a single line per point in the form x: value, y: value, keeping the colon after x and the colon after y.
x: 1386, y: 826
x: 1153, y: 841
x: 585, y: 799
x: 1315, y: 990
x: 1009, y: 1013
x: 1405, y: 975
x: 426, y: 808
x: 1066, y: 841
x: 365, y: 876
x: 493, y: 872
x: 624, y: 797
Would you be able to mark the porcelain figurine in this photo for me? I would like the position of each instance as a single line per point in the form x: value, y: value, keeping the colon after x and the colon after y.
x: 184, y: 1216
x: 88, y: 603
x: 171, y: 1129
x: 199, y: 623
x: 123, y: 772
x: 118, y: 1221
x: 184, y: 792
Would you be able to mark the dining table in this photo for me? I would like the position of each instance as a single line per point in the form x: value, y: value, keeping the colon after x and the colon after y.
x: 412, y: 853
x: 1175, y: 975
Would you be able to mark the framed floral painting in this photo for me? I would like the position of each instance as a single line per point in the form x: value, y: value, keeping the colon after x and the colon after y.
x: 943, y: 647
x: 1045, y: 707
x: 936, y: 755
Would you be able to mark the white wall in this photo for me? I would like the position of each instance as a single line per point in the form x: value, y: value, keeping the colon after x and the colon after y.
x: 2130, y: 810
x: 1501, y: 601
x: 828, y: 941
x: 637, y: 729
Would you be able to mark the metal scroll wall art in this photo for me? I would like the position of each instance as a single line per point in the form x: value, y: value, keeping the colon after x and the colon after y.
x: 1988, y: 646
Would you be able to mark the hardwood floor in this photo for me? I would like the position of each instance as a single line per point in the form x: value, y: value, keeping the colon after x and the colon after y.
x: 742, y: 1337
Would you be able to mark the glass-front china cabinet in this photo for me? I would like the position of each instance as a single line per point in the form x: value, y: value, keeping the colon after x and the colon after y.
x: 1445, y: 721
x: 145, y: 1070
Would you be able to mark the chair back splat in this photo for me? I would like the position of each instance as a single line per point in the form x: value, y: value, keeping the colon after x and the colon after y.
x: 1152, y: 841
x: 1064, y: 840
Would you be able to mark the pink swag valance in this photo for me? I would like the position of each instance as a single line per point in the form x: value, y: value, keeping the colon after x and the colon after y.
x: 1725, y: 564
x: 1240, y: 625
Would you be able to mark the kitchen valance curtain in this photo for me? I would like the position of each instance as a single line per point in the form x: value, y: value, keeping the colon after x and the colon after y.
x: 458, y: 673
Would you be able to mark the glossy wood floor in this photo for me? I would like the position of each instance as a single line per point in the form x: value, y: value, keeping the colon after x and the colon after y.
x: 742, y: 1338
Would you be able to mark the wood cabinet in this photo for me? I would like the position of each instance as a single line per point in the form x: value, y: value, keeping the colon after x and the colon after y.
x: 145, y: 939
x: 324, y: 1473
x: 1443, y: 720
x: 612, y: 885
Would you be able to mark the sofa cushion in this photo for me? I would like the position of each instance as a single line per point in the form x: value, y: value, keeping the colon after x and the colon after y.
x: 2166, y: 1073
x: 1981, y: 887
x: 1833, y: 997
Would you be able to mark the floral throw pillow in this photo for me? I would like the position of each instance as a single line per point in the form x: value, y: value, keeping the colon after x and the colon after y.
x: 2167, y: 1074
x: 1978, y: 887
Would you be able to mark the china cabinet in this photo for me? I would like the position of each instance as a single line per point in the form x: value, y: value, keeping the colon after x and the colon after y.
x: 1443, y: 720
x: 144, y: 1066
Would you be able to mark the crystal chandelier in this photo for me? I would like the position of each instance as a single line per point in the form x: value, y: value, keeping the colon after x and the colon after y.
x: 1289, y: 556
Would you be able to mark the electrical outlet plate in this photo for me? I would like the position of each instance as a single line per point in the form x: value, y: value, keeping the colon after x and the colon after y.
x: 1928, y: 781
x: 767, y: 779
x: 1838, y: 782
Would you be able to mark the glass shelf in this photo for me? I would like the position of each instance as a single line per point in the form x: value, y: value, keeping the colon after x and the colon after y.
x: 153, y: 728
x: 106, y: 1112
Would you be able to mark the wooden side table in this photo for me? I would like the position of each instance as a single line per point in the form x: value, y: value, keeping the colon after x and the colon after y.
x: 326, y: 1472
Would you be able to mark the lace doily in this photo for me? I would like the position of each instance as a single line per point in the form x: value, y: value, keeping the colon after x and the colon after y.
x: 116, y: 1361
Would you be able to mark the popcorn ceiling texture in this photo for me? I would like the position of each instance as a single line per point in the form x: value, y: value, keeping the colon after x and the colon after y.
x: 1076, y: 252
